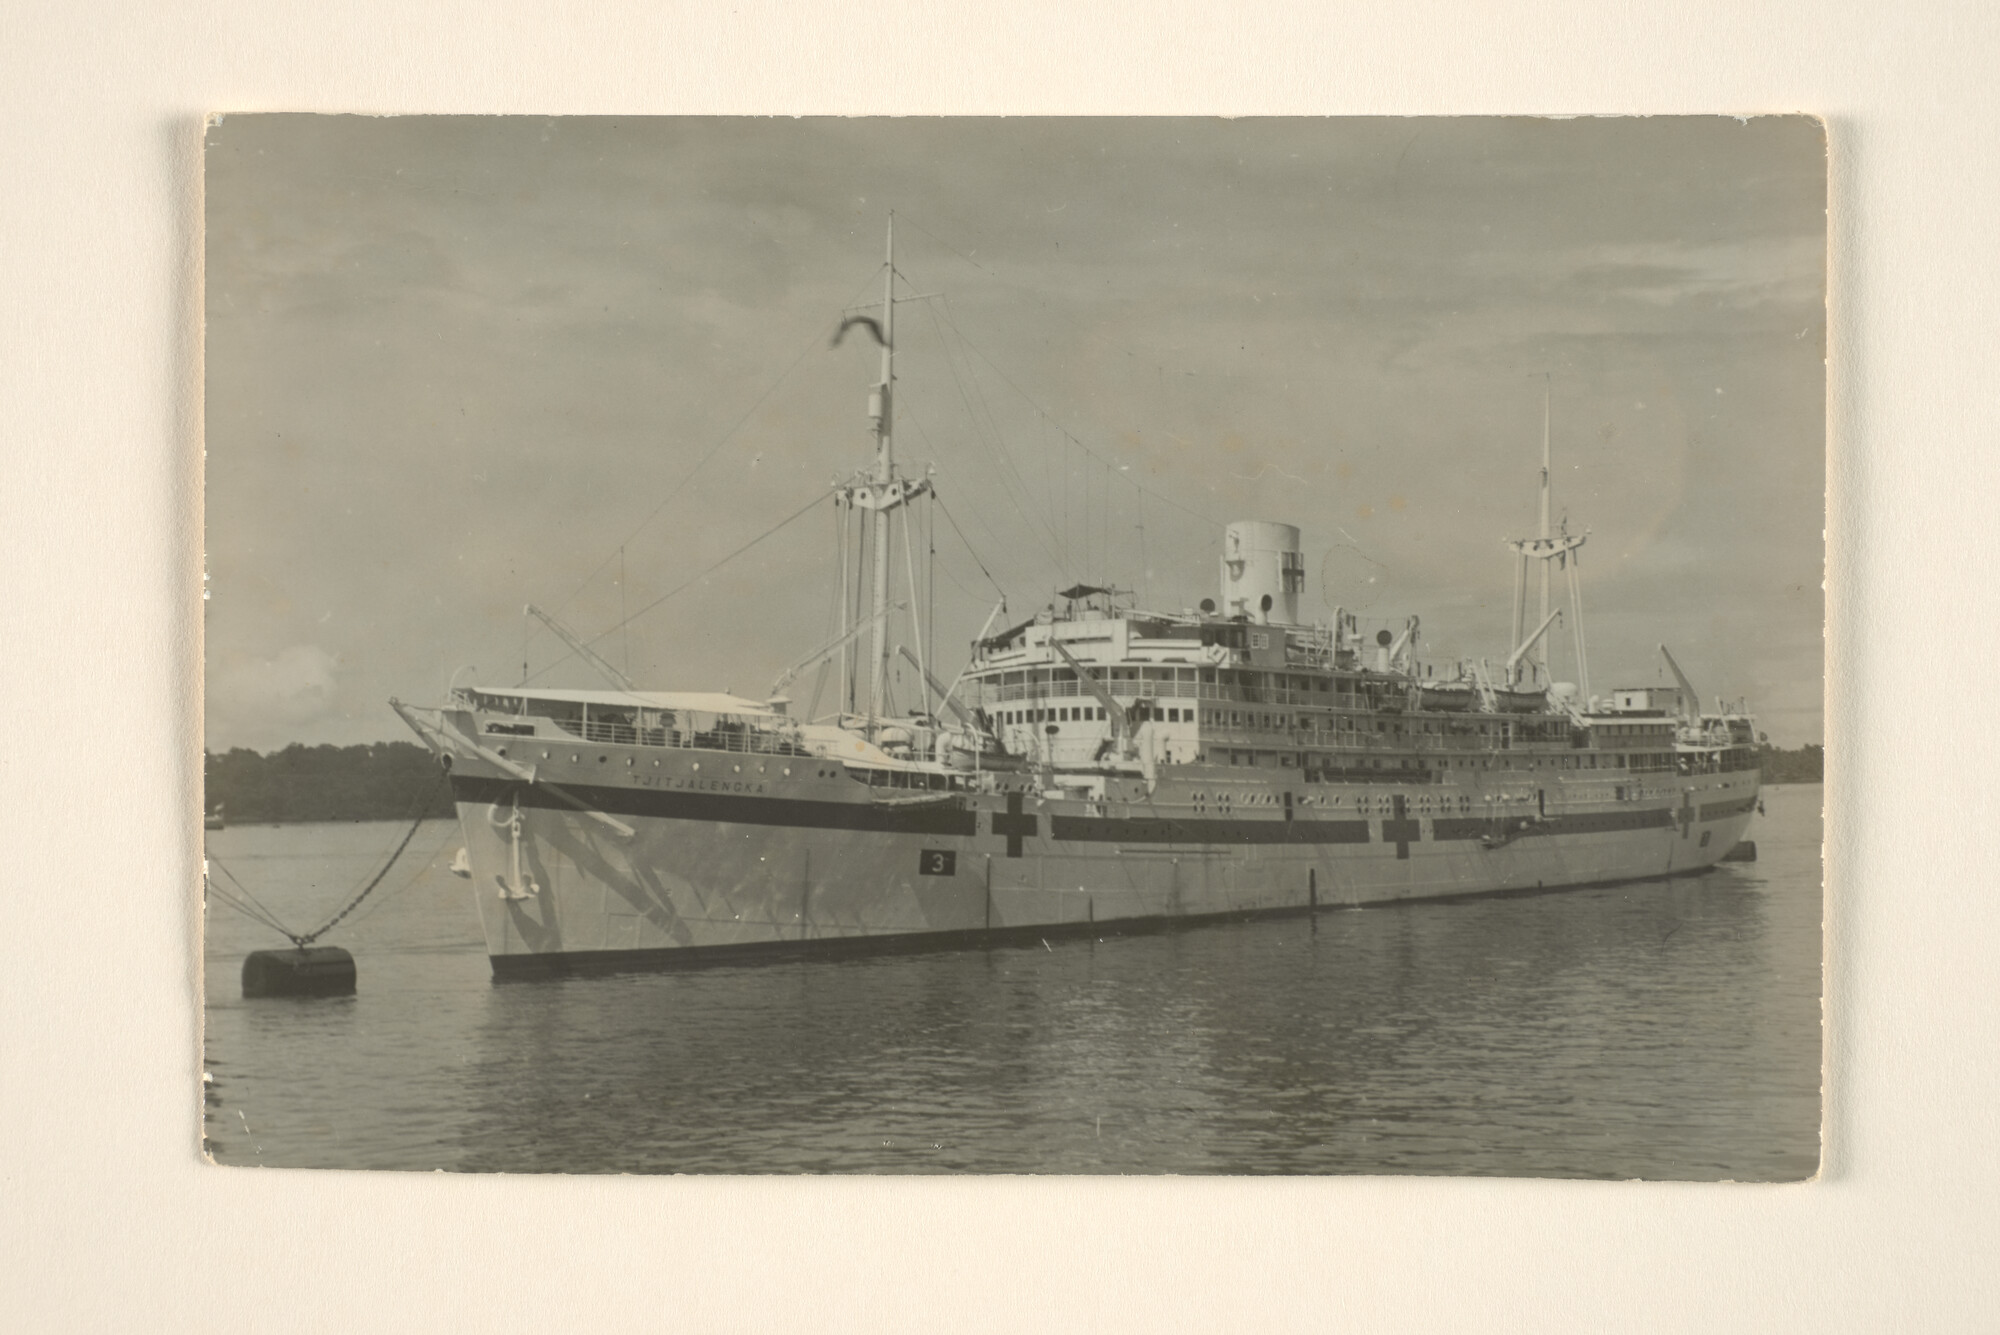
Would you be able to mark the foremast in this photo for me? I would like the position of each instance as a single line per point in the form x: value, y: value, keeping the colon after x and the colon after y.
x: 879, y: 492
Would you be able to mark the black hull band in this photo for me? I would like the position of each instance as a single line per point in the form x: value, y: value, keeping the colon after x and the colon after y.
x: 947, y: 817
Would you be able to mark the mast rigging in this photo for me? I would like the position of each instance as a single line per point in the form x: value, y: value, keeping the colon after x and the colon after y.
x: 881, y: 490
x: 1548, y: 546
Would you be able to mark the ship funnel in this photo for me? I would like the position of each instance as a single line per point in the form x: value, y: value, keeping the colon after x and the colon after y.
x: 1263, y: 572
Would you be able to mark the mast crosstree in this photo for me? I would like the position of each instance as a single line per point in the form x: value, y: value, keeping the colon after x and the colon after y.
x: 880, y: 491
x: 1549, y: 547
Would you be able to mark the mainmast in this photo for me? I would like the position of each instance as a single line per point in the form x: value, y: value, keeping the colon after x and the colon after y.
x: 1541, y: 652
x: 1548, y: 546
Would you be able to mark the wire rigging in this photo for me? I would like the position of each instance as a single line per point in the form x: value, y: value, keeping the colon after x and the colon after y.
x: 242, y: 900
x: 978, y: 517
x: 1057, y: 424
x: 695, y: 578
x: 1041, y: 301
x: 988, y: 436
x: 1055, y: 542
x: 969, y: 549
x: 703, y: 462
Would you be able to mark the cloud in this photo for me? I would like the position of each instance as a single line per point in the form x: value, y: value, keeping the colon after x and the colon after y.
x: 454, y: 363
x: 297, y: 686
x: 1786, y: 270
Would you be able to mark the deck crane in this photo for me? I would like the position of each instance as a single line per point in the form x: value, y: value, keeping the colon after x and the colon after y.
x: 580, y: 649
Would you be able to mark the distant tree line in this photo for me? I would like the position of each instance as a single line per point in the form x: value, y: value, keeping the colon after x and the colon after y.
x: 386, y: 780
x: 380, y: 781
x: 1805, y: 765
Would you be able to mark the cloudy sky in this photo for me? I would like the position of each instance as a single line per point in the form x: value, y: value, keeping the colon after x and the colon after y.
x: 455, y: 365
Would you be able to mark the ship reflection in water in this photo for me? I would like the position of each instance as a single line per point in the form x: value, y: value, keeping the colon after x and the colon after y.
x: 1665, y: 1029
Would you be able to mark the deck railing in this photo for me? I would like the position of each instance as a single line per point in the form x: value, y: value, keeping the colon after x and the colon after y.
x: 1392, y: 700
x: 978, y: 693
x: 753, y: 741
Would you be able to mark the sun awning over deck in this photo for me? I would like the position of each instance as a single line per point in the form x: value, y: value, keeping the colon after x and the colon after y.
x: 708, y: 702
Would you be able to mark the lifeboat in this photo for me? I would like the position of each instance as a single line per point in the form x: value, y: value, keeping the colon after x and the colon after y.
x: 1450, y: 695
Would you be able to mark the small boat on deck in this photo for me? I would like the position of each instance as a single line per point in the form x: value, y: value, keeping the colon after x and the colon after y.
x: 1446, y: 695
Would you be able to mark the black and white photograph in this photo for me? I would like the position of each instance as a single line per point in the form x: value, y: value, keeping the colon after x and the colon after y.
x: 1114, y: 645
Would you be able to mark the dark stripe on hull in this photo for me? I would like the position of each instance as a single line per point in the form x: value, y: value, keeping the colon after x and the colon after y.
x: 947, y: 817
x: 1120, y: 830
x: 1586, y: 822
x: 952, y: 817
x: 1413, y: 776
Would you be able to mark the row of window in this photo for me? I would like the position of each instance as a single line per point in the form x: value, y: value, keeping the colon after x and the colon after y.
x: 1063, y: 714
x: 632, y: 762
x: 1255, y: 721
x: 896, y: 778
x: 1421, y: 803
x: 1334, y: 765
x: 1380, y: 804
x: 1139, y: 712
x: 874, y: 778
x: 1209, y: 683
x: 1651, y: 730
x: 1229, y: 755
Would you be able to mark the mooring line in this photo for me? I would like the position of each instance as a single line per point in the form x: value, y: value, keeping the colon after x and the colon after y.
x: 304, y: 939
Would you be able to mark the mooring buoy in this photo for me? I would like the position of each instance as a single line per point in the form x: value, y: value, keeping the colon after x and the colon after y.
x: 311, y: 971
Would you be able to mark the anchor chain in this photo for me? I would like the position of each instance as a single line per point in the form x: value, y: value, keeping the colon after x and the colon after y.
x: 423, y: 814
x: 304, y: 939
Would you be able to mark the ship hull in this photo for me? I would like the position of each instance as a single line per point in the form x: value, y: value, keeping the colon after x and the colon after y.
x: 769, y: 865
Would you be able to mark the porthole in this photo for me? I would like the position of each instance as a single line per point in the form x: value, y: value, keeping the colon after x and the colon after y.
x: 575, y: 759
x: 656, y: 764
x: 502, y: 753
x: 788, y: 771
x: 545, y: 755
x: 738, y: 768
x: 628, y: 762
x: 696, y: 765
x: 603, y: 760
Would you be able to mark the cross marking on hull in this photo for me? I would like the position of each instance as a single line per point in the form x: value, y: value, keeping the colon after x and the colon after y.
x: 1015, y: 825
x: 1402, y: 829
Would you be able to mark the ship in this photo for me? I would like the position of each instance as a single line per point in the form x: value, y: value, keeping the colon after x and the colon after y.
x: 1100, y: 767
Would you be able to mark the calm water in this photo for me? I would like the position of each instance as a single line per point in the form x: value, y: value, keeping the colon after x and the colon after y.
x: 1665, y: 1029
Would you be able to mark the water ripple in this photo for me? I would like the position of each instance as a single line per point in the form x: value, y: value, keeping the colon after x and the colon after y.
x: 1663, y: 1030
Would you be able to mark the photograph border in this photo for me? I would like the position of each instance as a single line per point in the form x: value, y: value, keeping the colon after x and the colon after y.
x: 1895, y: 1232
